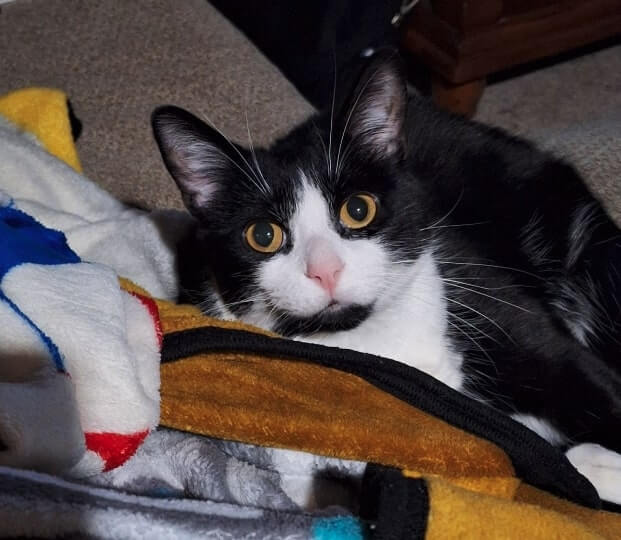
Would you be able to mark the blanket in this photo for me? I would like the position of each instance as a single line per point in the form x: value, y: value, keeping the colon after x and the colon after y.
x: 266, y: 437
x: 57, y: 411
x: 79, y: 372
x: 53, y: 309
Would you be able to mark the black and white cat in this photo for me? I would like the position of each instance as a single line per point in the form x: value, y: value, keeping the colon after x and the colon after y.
x: 395, y: 229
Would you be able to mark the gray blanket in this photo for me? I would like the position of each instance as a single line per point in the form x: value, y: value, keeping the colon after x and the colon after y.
x: 184, y: 486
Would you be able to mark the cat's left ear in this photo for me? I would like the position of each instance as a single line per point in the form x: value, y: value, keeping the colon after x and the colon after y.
x: 375, y: 116
x: 196, y: 155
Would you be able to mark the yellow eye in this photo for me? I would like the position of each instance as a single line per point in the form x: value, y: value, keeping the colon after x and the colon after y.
x: 358, y: 211
x: 264, y: 236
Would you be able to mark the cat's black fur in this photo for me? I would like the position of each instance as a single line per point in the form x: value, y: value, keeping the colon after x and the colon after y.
x: 531, y: 261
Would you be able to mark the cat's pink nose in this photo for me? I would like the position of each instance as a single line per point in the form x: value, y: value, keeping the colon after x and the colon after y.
x: 326, y: 273
x: 324, y: 266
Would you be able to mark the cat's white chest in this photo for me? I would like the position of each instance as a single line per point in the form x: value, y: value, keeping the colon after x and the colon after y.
x: 410, y: 327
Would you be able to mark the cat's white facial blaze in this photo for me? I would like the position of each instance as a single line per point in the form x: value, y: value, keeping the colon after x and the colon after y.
x: 322, y: 268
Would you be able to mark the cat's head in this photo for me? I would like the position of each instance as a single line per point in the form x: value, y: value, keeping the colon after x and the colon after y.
x: 315, y: 233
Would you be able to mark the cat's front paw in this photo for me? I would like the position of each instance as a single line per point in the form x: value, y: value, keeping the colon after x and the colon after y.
x: 601, y: 466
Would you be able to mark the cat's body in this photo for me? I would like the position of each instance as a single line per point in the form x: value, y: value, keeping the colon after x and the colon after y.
x: 427, y: 239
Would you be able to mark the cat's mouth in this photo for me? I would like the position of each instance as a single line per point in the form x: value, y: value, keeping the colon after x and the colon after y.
x: 334, y: 317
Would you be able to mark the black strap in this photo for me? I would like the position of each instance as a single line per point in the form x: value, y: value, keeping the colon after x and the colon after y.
x: 397, y: 507
x: 535, y: 461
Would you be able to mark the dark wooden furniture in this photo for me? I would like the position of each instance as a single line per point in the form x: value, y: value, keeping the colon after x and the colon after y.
x: 463, y: 41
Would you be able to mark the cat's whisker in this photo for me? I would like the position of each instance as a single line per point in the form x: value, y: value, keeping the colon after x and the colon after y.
x: 254, y: 156
x: 324, y: 148
x: 245, y: 301
x: 256, y: 182
x: 500, y: 288
x: 269, y: 316
x: 332, y: 118
x: 470, y: 308
x: 490, y: 266
x: 343, y: 159
x: 351, y: 112
x: 454, y: 226
x: 473, y: 326
x: 493, y: 298
x: 244, y: 172
x: 474, y: 341
x: 453, y: 208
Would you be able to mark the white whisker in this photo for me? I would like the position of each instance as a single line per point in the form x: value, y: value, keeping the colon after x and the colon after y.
x: 456, y: 226
x: 256, y: 182
x: 470, y: 308
x: 332, y: 119
x: 254, y: 157
x: 490, y: 266
x: 493, y: 298
x: 453, y: 208
x: 351, y: 111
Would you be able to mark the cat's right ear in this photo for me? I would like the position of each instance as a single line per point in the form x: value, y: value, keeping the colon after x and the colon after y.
x: 194, y: 154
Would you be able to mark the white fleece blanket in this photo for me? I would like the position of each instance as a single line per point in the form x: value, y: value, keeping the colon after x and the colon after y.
x: 79, y: 356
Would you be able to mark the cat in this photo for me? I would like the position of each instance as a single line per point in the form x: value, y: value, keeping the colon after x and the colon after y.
x: 393, y: 228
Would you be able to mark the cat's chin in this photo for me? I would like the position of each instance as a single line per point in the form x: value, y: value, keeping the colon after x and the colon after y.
x: 333, y: 318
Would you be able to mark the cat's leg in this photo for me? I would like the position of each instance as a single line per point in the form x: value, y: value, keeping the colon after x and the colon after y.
x: 601, y: 466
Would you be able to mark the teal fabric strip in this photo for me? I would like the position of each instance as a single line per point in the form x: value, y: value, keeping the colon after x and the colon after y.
x: 338, y: 528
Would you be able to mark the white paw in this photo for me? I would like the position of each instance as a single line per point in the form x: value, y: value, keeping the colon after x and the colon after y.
x: 601, y: 466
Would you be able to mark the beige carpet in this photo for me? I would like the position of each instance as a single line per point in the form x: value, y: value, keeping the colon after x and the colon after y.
x: 118, y: 59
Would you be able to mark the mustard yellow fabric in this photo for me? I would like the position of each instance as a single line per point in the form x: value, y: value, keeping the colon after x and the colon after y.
x: 473, y: 490
x: 44, y: 113
x: 456, y: 512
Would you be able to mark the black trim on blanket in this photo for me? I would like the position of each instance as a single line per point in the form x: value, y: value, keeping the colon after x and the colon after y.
x: 397, y: 506
x: 535, y: 461
x: 611, y: 507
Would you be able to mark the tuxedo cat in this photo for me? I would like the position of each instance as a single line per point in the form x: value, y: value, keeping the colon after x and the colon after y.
x: 396, y: 229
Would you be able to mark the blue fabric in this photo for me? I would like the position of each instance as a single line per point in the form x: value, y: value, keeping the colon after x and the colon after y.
x: 337, y: 528
x: 25, y: 240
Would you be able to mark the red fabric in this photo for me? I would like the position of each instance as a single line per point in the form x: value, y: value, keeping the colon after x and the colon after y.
x: 113, y: 448
x: 151, y: 306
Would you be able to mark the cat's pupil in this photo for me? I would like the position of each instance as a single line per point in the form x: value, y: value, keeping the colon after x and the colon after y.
x: 357, y: 208
x: 263, y: 233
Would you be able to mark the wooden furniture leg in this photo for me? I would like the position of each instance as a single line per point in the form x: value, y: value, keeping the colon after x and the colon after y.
x: 457, y: 98
x: 464, y: 41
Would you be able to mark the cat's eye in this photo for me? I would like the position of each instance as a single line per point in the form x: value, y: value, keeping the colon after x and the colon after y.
x: 358, y: 211
x: 264, y: 236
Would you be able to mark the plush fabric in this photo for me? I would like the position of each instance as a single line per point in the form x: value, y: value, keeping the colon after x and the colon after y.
x: 35, y: 505
x: 79, y: 377
x: 99, y: 228
x: 292, y: 402
x: 44, y: 113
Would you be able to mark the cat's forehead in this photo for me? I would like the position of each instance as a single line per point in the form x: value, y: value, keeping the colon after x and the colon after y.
x: 311, y: 213
x: 303, y: 194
